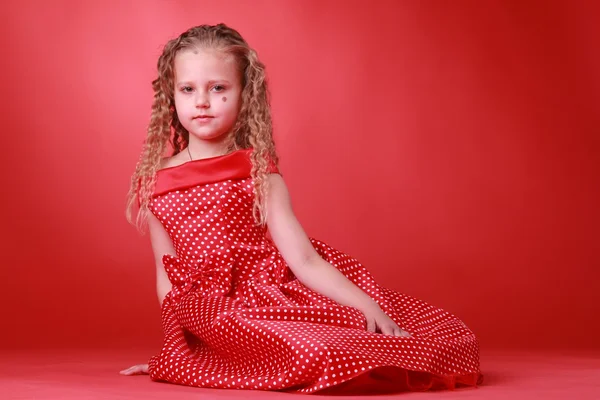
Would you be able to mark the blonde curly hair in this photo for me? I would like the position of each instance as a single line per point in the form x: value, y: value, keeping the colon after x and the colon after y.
x: 253, y: 128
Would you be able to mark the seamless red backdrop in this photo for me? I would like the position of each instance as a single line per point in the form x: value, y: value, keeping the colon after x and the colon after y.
x: 450, y: 146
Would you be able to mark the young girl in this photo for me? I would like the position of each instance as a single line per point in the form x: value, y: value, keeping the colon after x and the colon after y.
x: 248, y: 300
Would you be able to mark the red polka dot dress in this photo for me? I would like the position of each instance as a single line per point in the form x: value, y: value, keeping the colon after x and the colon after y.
x: 237, y: 318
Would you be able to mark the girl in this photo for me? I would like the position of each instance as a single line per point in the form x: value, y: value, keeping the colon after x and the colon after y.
x: 248, y: 300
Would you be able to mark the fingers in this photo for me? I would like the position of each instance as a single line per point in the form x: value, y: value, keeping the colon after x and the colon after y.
x: 135, y: 370
x: 371, y: 325
x: 394, y: 330
x: 401, y: 333
x: 388, y: 329
x: 386, y: 326
x: 129, y: 371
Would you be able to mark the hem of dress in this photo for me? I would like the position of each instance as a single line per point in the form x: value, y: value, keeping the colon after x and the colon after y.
x: 392, y: 379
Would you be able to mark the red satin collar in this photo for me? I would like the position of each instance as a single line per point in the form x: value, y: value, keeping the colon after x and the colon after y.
x: 235, y: 165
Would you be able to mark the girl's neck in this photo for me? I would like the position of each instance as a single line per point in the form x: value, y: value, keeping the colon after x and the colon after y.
x: 198, y: 150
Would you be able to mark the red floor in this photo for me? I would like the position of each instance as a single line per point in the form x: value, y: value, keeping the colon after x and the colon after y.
x: 94, y: 375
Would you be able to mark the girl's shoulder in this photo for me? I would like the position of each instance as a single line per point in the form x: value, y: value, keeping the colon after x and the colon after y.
x: 172, y: 161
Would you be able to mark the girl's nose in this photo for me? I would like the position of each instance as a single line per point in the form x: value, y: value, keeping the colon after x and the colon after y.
x: 202, y: 100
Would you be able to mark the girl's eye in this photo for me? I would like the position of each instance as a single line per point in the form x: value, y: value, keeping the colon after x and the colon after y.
x: 218, y: 88
x: 186, y: 89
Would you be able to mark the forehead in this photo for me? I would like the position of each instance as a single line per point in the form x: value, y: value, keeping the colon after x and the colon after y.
x: 200, y: 64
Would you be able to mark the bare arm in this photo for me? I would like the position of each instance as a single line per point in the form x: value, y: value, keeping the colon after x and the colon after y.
x: 312, y: 270
x: 297, y: 250
x: 161, y: 245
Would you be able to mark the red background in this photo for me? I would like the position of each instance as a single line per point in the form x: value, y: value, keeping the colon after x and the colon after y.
x: 451, y: 146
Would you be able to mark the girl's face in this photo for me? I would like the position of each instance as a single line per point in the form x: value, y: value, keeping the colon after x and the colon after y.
x: 207, y: 93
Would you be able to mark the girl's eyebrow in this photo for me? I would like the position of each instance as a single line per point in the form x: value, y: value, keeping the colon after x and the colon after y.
x: 209, y: 82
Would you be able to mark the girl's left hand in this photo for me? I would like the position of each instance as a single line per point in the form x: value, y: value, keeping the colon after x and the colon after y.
x: 378, y: 321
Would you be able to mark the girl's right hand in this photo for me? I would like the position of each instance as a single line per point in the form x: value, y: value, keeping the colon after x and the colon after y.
x: 140, y: 369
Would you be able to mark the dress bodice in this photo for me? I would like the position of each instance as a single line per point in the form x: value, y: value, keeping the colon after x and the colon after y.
x: 206, y: 207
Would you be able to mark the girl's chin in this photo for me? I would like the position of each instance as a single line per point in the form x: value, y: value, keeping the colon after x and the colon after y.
x: 209, y: 137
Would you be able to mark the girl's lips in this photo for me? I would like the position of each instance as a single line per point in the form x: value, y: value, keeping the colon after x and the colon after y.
x: 204, y: 119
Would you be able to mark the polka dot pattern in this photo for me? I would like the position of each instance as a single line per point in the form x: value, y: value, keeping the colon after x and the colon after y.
x: 237, y: 317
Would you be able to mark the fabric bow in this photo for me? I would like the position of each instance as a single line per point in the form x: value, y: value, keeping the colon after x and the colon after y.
x: 208, y: 276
